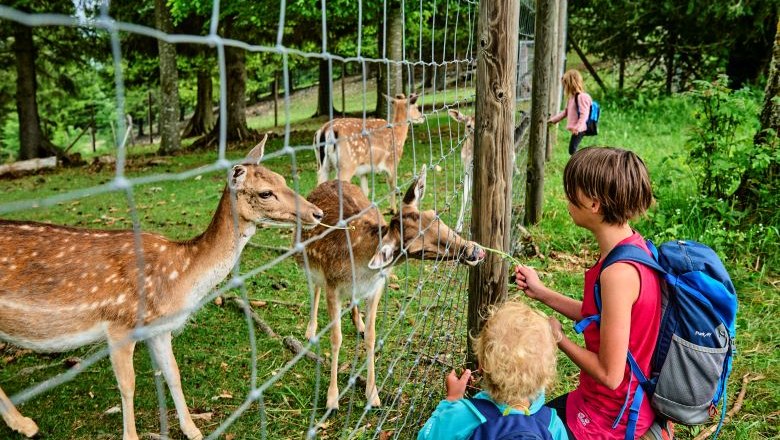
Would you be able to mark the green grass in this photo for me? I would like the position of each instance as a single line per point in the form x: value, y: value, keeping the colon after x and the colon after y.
x: 214, y: 351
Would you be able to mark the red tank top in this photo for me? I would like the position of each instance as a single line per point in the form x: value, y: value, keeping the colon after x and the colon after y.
x: 592, y: 408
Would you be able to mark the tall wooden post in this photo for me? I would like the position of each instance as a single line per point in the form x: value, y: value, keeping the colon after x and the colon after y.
x: 493, y: 146
x: 555, y: 82
x: 540, y: 92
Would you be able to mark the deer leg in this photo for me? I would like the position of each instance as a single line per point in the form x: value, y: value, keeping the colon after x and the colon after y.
x: 311, y: 329
x: 334, y: 312
x: 372, y: 395
x: 364, y: 184
x: 162, y: 350
x: 122, y: 348
x: 14, y: 419
x: 359, y: 325
x: 392, y: 181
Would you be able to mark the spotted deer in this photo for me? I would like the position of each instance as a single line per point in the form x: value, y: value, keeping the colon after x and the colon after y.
x: 466, y: 159
x: 344, y: 146
x: 63, y: 287
x: 375, y: 248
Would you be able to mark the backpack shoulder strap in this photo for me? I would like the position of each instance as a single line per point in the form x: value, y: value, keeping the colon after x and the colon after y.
x: 577, y: 104
x: 485, y: 407
x: 623, y: 252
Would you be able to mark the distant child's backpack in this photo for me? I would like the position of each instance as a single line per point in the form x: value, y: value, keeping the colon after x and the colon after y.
x: 511, y: 426
x: 592, y: 124
x: 692, y: 358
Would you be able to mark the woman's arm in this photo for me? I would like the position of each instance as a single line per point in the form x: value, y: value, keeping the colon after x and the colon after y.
x: 558, y: 117
x: 528, y: 281
x: 619, y: 290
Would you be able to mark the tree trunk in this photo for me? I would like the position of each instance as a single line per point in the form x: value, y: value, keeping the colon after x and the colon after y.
x: 235, y: 59
x: 770, y: 112
x: 670, y: 51
x: 235, y: 65
x: 203, y: 118
x: 30, y: 135
x: 169, y: 79
x: 395, y: 50
x: 746, y: 194
x: 381, y: 71
x: 324, y: 90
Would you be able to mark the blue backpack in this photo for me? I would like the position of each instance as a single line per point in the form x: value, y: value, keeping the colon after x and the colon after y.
x: 592, y: 124
x: 511, y: 426
x: 692, y: 359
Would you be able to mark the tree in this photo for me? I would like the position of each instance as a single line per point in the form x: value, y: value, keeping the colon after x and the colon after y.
x: 169, y: 89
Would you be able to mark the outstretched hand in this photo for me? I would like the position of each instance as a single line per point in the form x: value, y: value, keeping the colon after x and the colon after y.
x: 528, y: 281
x: 456, y: 386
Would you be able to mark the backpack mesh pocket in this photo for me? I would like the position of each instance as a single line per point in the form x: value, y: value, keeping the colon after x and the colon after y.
x: 689, y: 382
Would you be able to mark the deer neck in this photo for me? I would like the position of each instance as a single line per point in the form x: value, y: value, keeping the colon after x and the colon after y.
x: 217, y: 250
x: 400, y: 131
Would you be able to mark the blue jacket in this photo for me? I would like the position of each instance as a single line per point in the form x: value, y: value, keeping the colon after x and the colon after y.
x: 457, y: 420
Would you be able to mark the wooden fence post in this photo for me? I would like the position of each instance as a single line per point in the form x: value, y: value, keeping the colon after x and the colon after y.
x: 497, y: 34
x: 540, y: 92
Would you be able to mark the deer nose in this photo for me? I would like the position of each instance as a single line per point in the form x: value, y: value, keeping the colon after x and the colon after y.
x: 478, y: 253
x: 317, y: 215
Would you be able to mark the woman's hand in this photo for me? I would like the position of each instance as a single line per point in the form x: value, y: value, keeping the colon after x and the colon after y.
x: 528, y: 281
x: 456, y: 386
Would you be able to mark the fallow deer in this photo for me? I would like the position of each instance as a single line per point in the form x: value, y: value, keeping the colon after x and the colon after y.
x: 467, y: 154
x: 375, y: 247
x: 62, y: 287
x: 343, y: 145
x: 466, y: 159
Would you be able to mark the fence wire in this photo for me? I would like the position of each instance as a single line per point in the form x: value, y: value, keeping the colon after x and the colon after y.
x: 243, y: 379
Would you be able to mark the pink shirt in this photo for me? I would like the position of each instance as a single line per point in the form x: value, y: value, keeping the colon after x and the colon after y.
x: 573, y: 121
x: 592, y: 408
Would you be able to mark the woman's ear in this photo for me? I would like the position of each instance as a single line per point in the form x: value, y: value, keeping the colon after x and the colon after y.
x: 595, y: 206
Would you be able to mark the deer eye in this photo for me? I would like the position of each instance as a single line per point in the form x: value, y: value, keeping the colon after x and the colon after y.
x: 266, y: 194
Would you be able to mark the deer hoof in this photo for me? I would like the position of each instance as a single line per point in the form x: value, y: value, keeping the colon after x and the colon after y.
x: 25, y: 426
x: 192, y: 433
x: 373, y: 399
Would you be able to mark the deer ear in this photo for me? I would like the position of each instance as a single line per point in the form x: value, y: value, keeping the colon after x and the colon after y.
x: 256, y: 154
x: 456, y: 115
x: 383, y: 256
x: 237, y: 177
x: 413, y: 98
x: 417, y: 190
x: 389, y: 99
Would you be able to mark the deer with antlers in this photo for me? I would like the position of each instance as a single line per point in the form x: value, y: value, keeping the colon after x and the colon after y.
x: 375, y: 247
x: 356, y: 147
x: 62, y: 287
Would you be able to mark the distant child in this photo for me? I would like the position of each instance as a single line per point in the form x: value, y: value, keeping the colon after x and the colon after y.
x: 606, y: 187
x: 516, y: 354
x: 577, y: 108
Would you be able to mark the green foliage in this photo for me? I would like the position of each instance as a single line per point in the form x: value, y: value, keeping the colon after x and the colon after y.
x: 721, y: 147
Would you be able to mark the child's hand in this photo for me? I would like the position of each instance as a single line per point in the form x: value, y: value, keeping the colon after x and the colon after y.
x: 557, y: 329
x: 456, y: 386
x: 528, y: 281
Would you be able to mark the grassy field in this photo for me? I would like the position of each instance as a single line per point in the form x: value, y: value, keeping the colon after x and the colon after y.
x: 423, y: 311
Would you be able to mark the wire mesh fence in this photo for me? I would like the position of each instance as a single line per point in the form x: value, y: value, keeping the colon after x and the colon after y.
x: 248, y: 258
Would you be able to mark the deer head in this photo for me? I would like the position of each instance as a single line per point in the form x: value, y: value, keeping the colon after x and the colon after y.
x: 262, y: 196
x: 468, y: 121
x: 406, y: 106
x: 422, y: 234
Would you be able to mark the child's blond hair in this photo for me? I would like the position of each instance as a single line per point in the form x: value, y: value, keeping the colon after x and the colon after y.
x: 572, y: 82
x: 516, y: 351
